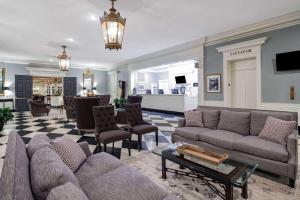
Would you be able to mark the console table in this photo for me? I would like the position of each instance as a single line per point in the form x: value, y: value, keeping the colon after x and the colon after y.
x: 8, y: 100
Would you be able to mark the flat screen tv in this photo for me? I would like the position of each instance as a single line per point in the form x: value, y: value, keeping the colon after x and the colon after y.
x: 180, y: 79
x: 288, y: 61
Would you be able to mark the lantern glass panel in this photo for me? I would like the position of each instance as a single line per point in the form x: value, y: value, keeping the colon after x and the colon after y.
x: 112, y: 30
x: 120, y: 33
x: 104, y: 32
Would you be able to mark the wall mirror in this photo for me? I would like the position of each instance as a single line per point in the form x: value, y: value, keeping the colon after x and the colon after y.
x: 2, y: 81
x: 88, y: 80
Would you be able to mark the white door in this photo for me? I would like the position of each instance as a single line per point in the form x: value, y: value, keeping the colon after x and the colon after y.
x: 243, y: 84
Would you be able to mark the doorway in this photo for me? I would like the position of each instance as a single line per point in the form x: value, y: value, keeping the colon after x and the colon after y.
x: 243, y: 83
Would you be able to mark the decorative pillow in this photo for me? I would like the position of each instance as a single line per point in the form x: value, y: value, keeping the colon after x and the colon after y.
x: 193, y: 118
x: 238, y: 122
x: 67, y: 191
x: 277, y: 130
x: 69, y: 151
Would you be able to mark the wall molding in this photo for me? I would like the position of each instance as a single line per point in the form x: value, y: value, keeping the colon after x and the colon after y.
x: 212, y: 103
x: 276, y: 23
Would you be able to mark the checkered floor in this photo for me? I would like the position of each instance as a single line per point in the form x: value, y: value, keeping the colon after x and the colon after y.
x: 56, y: 125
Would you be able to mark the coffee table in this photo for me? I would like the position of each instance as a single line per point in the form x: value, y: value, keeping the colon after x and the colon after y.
x: 228, y: 175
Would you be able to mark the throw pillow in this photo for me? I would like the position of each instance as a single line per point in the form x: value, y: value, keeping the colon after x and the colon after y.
x: 69, y: 151
x: 277, y: 130
x: 193, y: 118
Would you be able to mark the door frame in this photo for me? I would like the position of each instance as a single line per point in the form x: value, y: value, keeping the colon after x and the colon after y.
x: 239, y: 51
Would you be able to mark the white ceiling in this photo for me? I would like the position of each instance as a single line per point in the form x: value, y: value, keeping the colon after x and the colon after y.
x: 34, y: 30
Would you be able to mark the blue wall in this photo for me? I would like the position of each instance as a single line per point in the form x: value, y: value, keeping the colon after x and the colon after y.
x: 275, y: 85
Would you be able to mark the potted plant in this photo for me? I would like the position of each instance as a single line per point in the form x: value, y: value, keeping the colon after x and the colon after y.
x: 5, y: 116
x: 119, y: 102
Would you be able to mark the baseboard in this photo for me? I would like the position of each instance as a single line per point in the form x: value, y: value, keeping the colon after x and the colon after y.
x: 164, y: 111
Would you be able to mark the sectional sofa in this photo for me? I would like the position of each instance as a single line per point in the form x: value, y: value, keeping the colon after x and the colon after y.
x: 37, y: 172
x: 238, y: 137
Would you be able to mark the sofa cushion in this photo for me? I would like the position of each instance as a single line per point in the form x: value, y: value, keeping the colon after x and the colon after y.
x: 259, y: 118
x: 277, y: 130
x: 37, y: 142
x: 190, y: 132
x: 114, y: 185
x: 47, y: 171
x: 15, y: 179
x: 193, y: 118
x: 238, y: 122
x: 96, y: 165
x: 220, y: 138
x: 211, y: 118
x: 69, y: 151
x: 67, y: 191
x: 262, y: 148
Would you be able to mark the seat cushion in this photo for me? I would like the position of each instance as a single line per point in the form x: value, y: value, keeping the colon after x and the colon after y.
x: 15, y: 178
x: 238, y: 122
x: 67, y: 191
x: 143, y: 128
x: 114, y: 185
x: 220, y: 138
x: 113, y: 135
x: 211, y: 118
x: 259, y: 118
x: 190, y: 132
x: 96, y: 165
x: 260, y: 147
x: 47, y: 171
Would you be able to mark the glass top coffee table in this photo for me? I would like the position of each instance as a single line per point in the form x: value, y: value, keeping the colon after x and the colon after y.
x: 229, y: 174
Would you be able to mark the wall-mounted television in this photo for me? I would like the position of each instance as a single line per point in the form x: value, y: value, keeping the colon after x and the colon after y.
x: 180, y: 79
x: 288, y: 61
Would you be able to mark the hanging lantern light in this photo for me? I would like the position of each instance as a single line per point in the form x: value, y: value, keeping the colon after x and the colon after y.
x: 64, y: 60
x: 113, y: 26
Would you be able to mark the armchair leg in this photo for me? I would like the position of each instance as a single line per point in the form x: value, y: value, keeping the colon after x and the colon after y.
x: 156, y: 137
x: 104, y: 147
x: 129, y: 148
x: 140, y: 142
x: 292, y: 183
x: 100, y: 147
x: 113, y: 148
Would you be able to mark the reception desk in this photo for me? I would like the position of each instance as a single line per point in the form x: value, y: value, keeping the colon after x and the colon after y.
x: 169, y: 102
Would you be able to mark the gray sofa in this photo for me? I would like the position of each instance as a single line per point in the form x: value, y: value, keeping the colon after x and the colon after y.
x: 235, y: 132
x: 37, y: 172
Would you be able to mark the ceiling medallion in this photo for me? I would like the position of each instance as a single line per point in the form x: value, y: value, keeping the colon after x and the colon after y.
x: 113, y: 26
x: 64, y: 60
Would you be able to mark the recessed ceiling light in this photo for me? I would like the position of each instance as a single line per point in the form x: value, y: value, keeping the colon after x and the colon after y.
x: 70, y: 40
x: 93, y: 18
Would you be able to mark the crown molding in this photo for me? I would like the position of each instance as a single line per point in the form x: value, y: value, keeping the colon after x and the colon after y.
x: 276, y: 23
x: 245, y: 44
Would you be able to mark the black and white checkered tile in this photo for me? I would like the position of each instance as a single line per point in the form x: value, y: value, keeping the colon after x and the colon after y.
x: 56, y: 125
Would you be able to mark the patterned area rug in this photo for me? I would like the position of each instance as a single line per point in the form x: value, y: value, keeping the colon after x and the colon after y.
x: 185, y: 188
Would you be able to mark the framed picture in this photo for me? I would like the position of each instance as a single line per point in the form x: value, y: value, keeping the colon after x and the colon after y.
x: 213, y: 83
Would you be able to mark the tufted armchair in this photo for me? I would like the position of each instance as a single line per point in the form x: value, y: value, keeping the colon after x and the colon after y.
x: 106, y: 130
x: 104, y: 100
x: 37, y: 108
x: 136, y: 123
x: 69, y: 105
x: 134, y: 99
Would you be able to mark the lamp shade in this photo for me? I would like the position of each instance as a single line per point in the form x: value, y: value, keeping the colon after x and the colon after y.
x: 113, y: 26
x: 64, y: 60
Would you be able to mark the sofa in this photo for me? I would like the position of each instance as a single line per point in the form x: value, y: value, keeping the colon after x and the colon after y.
x: 235, y: 131
x: 37, y: 172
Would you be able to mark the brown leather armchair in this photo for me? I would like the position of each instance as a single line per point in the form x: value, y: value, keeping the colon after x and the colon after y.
x: 84, y: 114
x: 69, y: 105
x: 137, y: 125
x: 37, y: 108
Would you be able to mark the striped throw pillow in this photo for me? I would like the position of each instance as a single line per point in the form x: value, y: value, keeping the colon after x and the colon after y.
x: 69, y: 151
x: 277, y: 130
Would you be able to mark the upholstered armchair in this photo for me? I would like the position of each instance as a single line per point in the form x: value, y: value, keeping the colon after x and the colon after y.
x: 134, y: 99
x: 106, y: 130
x: 104, y: 100
x: 69, y: 105
x: 37, y: 108
x: 84, y: 114
x: 137, y: 125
